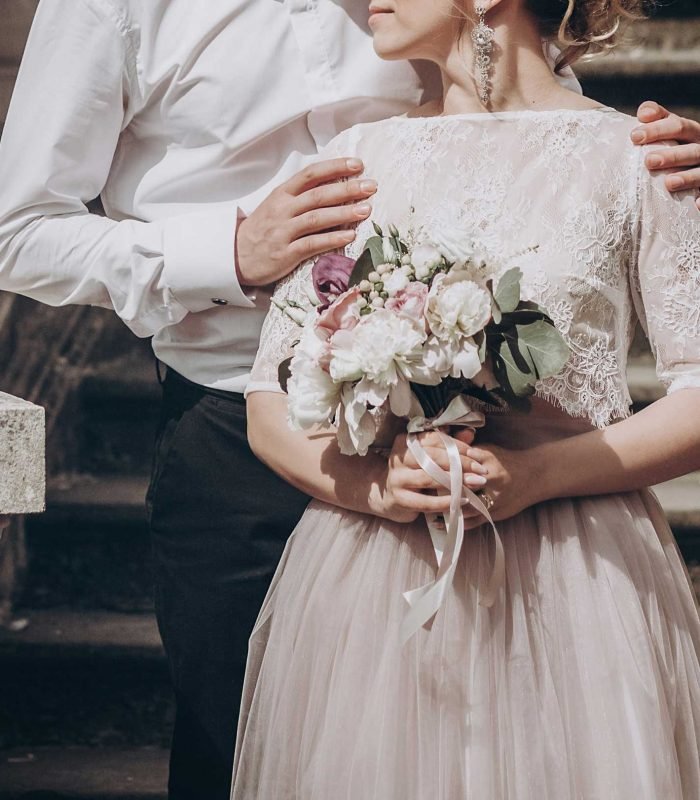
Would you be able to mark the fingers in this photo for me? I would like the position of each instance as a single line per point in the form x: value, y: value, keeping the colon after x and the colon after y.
x: 323, y: 219
x: 650, y: 111
x: 680, y: 181
x: 323, y: 172
x: 423, y: 503
x: 334, y: 194
x: 669, y: 128
x: 684, y: 155
x: 310, y: 246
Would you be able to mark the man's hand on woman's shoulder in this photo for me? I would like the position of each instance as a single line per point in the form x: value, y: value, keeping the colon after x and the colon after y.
x: 312, y: 213
x: 683, y: 159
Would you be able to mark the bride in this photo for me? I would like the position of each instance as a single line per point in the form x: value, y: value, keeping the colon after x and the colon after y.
x: 582, y: 679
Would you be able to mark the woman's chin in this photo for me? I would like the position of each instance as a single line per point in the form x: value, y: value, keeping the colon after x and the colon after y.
x: 388, y: 50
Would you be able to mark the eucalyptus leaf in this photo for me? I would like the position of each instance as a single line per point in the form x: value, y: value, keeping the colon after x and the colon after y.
x: 508, y: 292
x: 375, y: 245
x: 543, y: 346
x: 509, y: 374
x: 360, y: 272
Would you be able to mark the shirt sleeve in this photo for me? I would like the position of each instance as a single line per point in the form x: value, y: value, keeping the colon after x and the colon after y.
x: 666, y: 280
x: 75, y: 93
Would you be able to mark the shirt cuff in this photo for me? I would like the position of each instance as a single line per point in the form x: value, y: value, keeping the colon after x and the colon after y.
x: 199, y: 260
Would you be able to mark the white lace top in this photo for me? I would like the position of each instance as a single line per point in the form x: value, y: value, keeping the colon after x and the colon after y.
x: 612, y: 244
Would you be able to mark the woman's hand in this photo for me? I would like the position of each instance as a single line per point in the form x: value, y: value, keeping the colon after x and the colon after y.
x: 306, y: 216
x: 408, y: 490
x: 683, y: 159
x: 513, y: 482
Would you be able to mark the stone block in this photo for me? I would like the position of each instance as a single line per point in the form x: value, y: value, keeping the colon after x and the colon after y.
x: 22, y: 456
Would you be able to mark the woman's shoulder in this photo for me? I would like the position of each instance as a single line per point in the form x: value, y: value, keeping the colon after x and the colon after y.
x: 362, y: 139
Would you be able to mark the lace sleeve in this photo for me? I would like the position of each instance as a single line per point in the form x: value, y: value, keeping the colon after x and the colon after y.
x: 279, y: 331
x: 666, y: 281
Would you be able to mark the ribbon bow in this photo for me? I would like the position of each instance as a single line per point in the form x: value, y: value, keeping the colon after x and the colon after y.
x: 425, y: 601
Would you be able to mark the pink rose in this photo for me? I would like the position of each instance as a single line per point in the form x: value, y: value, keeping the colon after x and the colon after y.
x: 342, y: 314
x: 410, y: 302
x: 330, y: 276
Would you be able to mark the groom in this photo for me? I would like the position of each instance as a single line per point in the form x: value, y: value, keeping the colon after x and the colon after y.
x: 185, y: 117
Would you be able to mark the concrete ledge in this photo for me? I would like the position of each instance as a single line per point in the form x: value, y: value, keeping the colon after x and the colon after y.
x: 22, y: 456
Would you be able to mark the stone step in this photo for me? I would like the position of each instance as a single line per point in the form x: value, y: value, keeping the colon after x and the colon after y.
x: 90, y: 555
x: 81, y: 773
x: 84, y: 678
x: 66, y: 633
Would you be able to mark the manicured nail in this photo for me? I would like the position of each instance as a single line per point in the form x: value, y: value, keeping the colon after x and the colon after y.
x: 638, y: 136
x: 347, y: 236
x: 368, y: 186
x: 654, y: 162
x: 480, y: 469
x: 475, y: 480
x: 354, y: 164
x: 674, y: 183
x: 363, y: 209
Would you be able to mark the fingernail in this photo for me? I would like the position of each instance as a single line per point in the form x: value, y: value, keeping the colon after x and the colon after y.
x: 638, y: 136
x: 475, y: 480
x: 368, y: 186
x: 479, y: 468
x: 347, y: 236
x: 654, y: 162
x: 675, y: 183
x: 354, y: 164
x: 363, y: 209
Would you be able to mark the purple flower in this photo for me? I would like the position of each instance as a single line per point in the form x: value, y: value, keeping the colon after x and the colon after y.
x: 331, y: 275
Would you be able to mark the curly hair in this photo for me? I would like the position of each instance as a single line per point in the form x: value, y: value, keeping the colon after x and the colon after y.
x: 585, y: 27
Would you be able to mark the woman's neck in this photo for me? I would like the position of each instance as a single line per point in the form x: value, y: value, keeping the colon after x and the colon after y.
x: 520, y: 76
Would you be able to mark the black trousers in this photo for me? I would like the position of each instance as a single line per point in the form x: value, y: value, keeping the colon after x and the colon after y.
x: 219, y: 521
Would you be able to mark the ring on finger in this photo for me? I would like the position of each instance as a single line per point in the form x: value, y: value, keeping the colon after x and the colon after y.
x: 486, y: 499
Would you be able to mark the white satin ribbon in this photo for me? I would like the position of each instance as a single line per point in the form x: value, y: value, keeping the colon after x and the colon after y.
x: 425, y: 601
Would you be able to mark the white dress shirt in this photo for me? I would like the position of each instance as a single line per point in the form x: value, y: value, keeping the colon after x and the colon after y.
x: 179, y: 113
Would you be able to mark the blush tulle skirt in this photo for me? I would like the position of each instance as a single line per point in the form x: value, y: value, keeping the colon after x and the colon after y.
x: 581, y: 682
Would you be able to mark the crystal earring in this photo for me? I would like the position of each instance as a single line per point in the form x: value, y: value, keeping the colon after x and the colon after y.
x: 482, y: 39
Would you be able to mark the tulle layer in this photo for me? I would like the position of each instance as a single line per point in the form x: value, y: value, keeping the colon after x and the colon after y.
x: 581, y: 682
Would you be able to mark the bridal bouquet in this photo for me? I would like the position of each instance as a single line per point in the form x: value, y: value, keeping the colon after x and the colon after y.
x: 411, y: 328
x: 417, y: 330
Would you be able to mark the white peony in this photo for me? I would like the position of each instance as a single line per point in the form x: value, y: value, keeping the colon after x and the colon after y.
x: 457, y: 307
x: 424, y: 259
x: 381, y: 348
x: 456, y: 358
x: 396, y: 282
x: 313, y: 396
x: 456, y: 245
x: 312, y: 393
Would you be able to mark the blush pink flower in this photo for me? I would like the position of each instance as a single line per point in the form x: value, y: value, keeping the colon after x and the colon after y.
x: 342, y: 315
x: 410, y: 302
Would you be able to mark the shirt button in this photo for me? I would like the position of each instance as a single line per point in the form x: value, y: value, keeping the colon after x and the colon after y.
x: 219, y: 301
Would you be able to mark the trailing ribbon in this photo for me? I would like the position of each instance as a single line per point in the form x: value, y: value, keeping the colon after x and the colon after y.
x: 425, y: 601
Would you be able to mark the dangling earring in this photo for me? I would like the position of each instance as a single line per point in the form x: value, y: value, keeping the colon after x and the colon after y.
x: 482, y: 39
